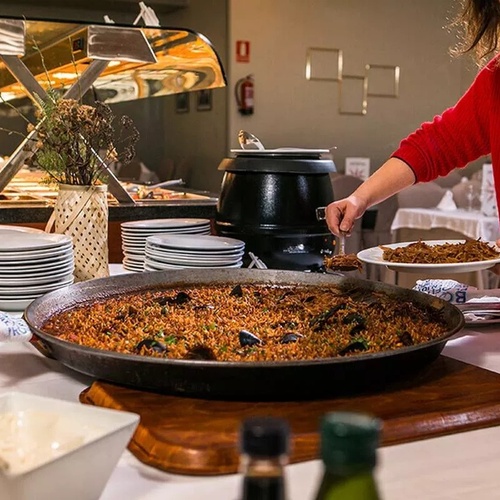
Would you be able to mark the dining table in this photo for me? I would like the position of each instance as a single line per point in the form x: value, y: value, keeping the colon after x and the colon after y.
x: 462, y: 465
x: 468, y: 223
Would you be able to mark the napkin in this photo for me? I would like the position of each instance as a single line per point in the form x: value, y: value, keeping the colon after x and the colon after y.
x: 449, y: 290
x: 479, y: 315
x: 13, y: 329
x: 484, y: 298
x: 460, y: 293
x: 447, y: 202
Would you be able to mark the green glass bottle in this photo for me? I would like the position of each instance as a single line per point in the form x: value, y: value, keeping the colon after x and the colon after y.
x: 264, y: 445
x: 349, y: 444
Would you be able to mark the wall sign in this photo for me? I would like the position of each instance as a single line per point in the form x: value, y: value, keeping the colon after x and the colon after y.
x: 358, y: 167
x: 242, y: 51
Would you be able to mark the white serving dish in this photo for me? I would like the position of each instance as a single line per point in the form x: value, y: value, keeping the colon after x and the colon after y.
x: 375, y: 255
x: 95, y: 438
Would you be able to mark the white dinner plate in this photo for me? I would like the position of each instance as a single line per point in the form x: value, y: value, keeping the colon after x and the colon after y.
x: 134, y: 258
x: 41, y: 287
x: 203, y: 260
x: 191, y: 242
x: 36, y: 276
x: 137, y: 250
x: 35, y: 266
x: 31, y: 256
x: 36, y: 254
x: 144, y: 234
x: 22, y: 229
x: 134, y: 246
x: 165, y: 223
x: 17, y: 304
x: 25, y: 241
x: 157, y: 266
x: 142, y: 241
x: 230, y: 252
x: 36, y: 279
x: 174, y: 252
x: 191, y: 262
x: 153, y: 232
x: 374, y: 256
x: 132, y: 266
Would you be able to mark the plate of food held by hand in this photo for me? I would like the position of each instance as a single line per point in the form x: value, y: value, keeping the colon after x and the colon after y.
x: 443, y: 256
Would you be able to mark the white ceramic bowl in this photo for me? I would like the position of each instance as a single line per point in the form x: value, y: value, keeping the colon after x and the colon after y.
x: 52, y: 449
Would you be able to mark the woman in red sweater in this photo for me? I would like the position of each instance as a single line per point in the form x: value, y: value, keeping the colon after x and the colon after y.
x: 463, y: 133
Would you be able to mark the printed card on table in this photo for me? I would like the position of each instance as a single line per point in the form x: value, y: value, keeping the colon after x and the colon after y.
x: 488, y: 198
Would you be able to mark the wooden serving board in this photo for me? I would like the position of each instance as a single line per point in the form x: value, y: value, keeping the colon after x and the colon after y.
x: 200, y: 437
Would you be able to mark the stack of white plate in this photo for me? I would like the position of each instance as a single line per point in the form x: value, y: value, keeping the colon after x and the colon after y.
x: 134, y: 236
x: 32, y: 263
x: 176, y: 251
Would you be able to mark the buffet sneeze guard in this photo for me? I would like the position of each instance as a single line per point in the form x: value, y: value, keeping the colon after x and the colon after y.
x: 119, y: 63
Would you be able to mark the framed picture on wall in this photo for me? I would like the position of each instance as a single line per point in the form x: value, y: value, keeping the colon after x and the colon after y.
x: 182, y: 102
x: 204, y: 100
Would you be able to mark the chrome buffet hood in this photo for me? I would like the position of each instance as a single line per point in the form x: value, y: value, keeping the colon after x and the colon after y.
x: 142, y: 62
x: 119, y: 63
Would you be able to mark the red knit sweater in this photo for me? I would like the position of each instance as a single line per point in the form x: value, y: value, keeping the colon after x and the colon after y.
x: 468, y: 130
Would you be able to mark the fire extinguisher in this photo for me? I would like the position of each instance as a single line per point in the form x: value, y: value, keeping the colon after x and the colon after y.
x: 244, y: 95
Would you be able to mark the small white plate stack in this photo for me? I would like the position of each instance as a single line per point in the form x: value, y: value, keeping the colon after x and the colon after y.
x: 134, y: 236
x: 32, y: 263
x: 192, y: 251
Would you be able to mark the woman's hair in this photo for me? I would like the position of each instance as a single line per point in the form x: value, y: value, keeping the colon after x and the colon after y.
x: 480, y: 22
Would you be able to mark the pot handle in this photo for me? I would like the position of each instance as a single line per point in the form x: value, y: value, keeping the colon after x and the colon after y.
x: 321, y: 213
x: 42, y: 347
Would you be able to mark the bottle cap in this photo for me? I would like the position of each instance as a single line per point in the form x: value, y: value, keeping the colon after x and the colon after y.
x: 264, y: 436
x: 349, y: 440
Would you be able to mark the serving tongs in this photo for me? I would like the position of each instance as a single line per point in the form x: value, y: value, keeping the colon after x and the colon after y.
x: 330, y: 261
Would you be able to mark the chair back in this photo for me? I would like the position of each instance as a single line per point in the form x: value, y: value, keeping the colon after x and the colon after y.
x: 422, y: 195
x: 344, y: 185
x: 465, y: 190
x: 450, y: 180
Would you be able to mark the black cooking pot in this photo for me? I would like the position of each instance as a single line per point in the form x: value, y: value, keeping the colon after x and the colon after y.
x: 269, y: 200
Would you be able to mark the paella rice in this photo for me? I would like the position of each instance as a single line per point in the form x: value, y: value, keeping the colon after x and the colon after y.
x: 445, y: 253
x: 249, y: 323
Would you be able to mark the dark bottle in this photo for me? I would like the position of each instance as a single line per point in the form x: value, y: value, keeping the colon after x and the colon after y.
x: 349, y: 444
x: 264, y: 448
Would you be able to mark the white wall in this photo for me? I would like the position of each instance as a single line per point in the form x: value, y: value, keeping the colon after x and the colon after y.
x: 292, y: 111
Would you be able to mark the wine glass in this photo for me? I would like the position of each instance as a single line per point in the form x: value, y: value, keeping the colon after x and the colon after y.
x: 470, y: 196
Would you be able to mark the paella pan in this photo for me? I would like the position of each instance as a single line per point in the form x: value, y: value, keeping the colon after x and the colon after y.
x: 247, y: 378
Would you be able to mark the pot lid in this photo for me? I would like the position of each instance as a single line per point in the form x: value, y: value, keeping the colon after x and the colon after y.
x: 281, y: 152
x: 291, y: 162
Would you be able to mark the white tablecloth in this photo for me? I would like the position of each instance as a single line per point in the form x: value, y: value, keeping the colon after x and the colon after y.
x: 472, y: 224
x: 461, y: 466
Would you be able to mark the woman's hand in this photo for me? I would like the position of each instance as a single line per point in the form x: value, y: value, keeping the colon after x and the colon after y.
x: 393, y: 176
x: 341, y: 214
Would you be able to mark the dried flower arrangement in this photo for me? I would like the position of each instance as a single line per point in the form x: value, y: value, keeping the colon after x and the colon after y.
x: 71, y: 134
